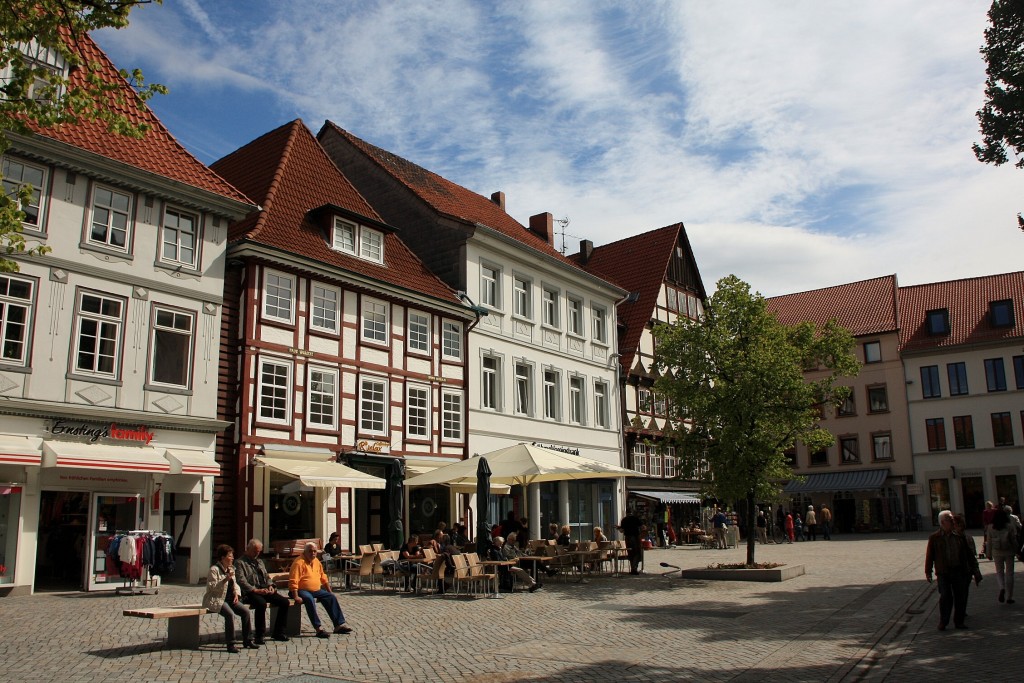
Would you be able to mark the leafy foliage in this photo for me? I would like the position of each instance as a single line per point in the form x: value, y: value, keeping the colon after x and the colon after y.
x: 745, y: 388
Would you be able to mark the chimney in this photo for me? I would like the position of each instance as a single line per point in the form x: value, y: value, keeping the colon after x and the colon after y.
x: 542, y: 226
x: 586, y: 249
x: 499, y: 199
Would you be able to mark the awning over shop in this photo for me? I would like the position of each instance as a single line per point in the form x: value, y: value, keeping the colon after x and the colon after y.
x: 104, y: 457
x: 187, y: 461
x: 859, y: 480
x: 322, y: 473
x: 19, y: 450
x: 670, y: 496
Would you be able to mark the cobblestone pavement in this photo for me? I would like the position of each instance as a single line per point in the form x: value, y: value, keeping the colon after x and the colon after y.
x: 862, y: 612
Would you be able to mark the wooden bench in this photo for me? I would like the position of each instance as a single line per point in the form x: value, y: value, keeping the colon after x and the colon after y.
x: 182, y: 623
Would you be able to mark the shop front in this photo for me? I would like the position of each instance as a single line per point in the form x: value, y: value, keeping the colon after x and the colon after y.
x: 860, y: 500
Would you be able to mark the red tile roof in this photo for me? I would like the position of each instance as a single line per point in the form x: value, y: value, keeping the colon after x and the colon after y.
x: 157, y: 152
x: 967, y: 301
x: 865, y: 308
x: 290, y: 174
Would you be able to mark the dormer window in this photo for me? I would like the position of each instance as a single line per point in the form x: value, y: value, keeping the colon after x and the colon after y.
x: 937, y: 321
x: 1001, y: 313
x: 358, y: 240
x: 45, y: 65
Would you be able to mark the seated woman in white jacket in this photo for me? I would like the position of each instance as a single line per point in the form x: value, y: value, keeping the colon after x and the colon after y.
x: 222, y: 596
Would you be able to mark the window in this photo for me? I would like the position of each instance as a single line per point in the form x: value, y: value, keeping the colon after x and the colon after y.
x: 451, y: 340
x: 99, y: 334
x: 930, y: 387
x: 15, y: 318
x: 575, y: 314
x: 937, y: 321
x: 819, y: 458
x: 278, y: 294
x: 848, y: 449
x: 1002, y: 429
x: 524, y: 389
x: 644, y: 400
x: 881, y: 446
x: 655, y: 462
x: 372, y: 405
x: 346, y: 237
x: 878, y: 400
x: 957, y: 373
x: 521, y: 304
x: 552, y: 389
x: 640, y: 457
x: 790, y: 455
x: 670, y: 462
x: 1018, y: 371
x: 275, y: 390
x: 673, y: 296
x: 963, y: 432
x: 111, y: 212
x: 16, y: 175
x: 601, y: 404
x: 600, y: 324
x: 371, y: 244
x: 490, y: 291
x: 322, y: 398
x: 490, y: 387
x: 419, y: 332
x: 873, y: 352
x: 935, y: 428
x: 847, y: 407
x: 550, y: 307
x: 1001, y: 313
x: 375, y: 321
x: 660, y: 404
x: 576, y: 400
x: 171, y: 360
x: 325, y: 304
x: 179, y: 237
x: 451, y: 416
x: 995, y: 374
x: 417, y: 412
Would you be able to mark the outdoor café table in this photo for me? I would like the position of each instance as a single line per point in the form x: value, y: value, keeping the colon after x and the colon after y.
x: 691, y: 536
x: 537, y: 561
x: 582, y: 555
x: 496, y: 564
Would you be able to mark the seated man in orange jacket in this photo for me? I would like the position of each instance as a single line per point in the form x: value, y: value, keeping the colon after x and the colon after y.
x: 307, y: 584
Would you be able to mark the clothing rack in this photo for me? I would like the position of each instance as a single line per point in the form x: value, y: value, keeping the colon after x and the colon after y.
x: 146, y: 581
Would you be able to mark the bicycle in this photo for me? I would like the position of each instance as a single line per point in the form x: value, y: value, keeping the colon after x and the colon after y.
x: 778, y: 534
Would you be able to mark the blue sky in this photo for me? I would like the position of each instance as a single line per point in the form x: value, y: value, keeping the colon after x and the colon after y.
x: 803, y: 144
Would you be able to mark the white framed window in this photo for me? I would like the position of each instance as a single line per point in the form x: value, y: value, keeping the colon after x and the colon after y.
x: 419, y: 332
x: 577, y: 400
x: 17, y: 174
x: 574, y: 308
x: 490, y: 384
x: 275, y: 390
x: 417, y: 411
x: 490, y: 286
x: 673, y: 304
x: 375, y: 321
x: 655, y: 462
x: 451, y: 340
x: 373, y: 395
x: 344, y: 236
x: 322, y: 398
x: 670, y: 462
x: 524, y: 388
x: 640, y: 457
x: 552, y: 391
x: 521, y: 289
x: 451, y: 415
x: 600, y: 318
x: 660, y: 404
x: 325, y: 308
x: 16, y: 308
x: 601, y: 404
x: 278, y: 296
x: 644, y: 400
x: 171, y: 347
x: 357, y: 240
x: 99, y: 324
x: 179, y: 237
x: 550, y: 307
x: 110, y: 221
x: 371, y: 244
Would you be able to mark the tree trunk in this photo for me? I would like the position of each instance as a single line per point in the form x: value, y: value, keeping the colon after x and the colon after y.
x: 751, y: 528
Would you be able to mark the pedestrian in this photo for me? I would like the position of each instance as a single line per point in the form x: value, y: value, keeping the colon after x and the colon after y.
x: 790, y: 528
x: 762, y: 527
x: 798, y: 527
x: 826, y: 523
x: 259, y: 592
x: 812, y: 524
x: 630, y: 528
x: 986, y: 522
x: 1002, y: 543
x: 949, y: 554
x: 308, y: 584
x: 719, y: 523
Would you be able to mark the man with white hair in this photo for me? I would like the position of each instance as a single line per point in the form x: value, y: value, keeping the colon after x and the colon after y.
x: 954, y: 565
x: 259, y: 592
x: 308, y: 584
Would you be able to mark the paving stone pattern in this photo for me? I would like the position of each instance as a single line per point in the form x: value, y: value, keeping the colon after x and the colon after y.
x: 862, y: 612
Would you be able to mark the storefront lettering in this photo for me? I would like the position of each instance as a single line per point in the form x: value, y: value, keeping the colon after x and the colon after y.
x: 138, y: 434
x: 372, y: 446
x: 94, y: 433
x: 560, y: 449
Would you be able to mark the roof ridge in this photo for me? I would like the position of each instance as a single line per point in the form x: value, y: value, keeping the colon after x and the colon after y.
x: 963, y: 279
x: 844, y: 284
x: 278, y: 176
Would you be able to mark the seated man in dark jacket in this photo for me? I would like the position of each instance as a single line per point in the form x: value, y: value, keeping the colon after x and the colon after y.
x: 258, y: 592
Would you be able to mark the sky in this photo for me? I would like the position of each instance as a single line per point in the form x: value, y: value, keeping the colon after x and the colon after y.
x: 803, y: 144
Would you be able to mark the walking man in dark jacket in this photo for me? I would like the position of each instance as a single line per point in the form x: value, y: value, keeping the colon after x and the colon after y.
x: 954, y: 565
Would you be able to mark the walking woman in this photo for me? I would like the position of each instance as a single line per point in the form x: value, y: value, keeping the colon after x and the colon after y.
x: 222, y: 596
x: 1002, y: 543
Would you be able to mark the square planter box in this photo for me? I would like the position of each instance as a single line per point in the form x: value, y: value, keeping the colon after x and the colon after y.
x: 784, y: 573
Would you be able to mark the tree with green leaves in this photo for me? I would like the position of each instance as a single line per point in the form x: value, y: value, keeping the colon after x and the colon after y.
x: 743, y: 388
x: 35, y: 95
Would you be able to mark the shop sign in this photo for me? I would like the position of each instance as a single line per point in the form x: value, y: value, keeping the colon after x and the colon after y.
x: 78, y: 478
x: 560, y: 449
x: 93, y: 432
x: 382, y: 447
x: 915, y: 489
x: 300, y: 352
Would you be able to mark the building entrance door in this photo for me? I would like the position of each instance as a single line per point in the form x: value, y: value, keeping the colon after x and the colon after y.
x: 61, y: 551
x: 974, y: 501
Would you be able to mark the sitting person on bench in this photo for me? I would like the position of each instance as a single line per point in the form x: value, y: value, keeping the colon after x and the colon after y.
x: 222, y: 596
x: 258, y: 591
x: 308, y: 583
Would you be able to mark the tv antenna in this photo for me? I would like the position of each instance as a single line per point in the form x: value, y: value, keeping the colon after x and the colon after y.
x: 564, y: 223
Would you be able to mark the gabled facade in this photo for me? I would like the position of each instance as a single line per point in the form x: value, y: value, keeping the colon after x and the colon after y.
x: 667, y: 287
x: 542, y: 356
x: 339, y: 345
x: 108, y: 368
x: 863, y: 477
x: 963, y: 355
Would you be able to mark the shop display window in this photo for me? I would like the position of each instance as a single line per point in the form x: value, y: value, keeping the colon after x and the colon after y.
x: 10, y: 512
